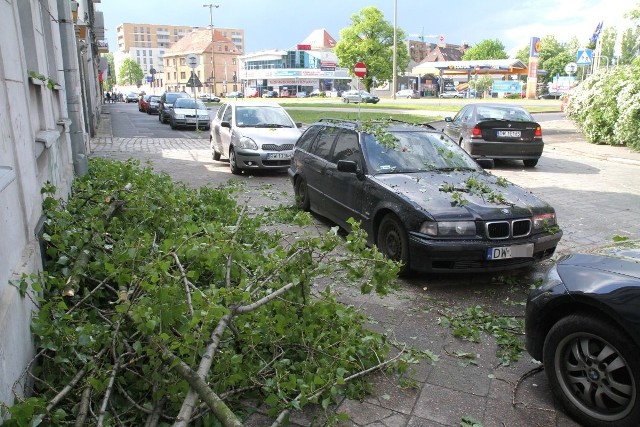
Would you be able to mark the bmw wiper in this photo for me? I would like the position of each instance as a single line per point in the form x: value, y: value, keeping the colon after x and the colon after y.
x: 459, y: 168
x: 271, y: 125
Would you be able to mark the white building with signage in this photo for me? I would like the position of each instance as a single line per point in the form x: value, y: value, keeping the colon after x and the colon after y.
x: 310, y: 67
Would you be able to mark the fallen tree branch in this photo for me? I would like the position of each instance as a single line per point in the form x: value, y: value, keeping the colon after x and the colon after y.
x: 185, y: 280
x: 283, y: 415
x: 63, y: 393
x: 83, y: 411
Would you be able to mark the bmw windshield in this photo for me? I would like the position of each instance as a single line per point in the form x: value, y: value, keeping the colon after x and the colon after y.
x: 415, y: 151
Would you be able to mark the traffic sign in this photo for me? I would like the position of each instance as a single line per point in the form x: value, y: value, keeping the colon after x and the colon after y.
x: 193, y: 60
x: 584, y: 57
x: 360, y: 69
x: 571, y: 68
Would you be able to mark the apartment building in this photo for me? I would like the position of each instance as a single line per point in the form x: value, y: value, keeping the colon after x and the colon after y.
x: 147, y: 44
x: 217, y: 66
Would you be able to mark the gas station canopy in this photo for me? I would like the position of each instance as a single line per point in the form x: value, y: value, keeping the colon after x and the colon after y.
x: 483, y: 66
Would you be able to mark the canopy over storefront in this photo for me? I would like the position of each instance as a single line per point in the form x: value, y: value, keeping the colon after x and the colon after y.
x: 484, y: 66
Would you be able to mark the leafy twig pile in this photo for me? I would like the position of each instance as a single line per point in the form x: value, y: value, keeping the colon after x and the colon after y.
x: 157, y: 297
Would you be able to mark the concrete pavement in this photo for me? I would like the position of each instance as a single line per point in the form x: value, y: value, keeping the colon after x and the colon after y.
x: 467, y: 382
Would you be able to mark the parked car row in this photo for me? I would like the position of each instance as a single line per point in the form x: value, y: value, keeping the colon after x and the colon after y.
x: 176, y: 108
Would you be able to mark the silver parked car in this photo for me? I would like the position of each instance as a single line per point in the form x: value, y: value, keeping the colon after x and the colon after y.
x: 189, y: 112
x: 255, y: 135
x: 408, y: 93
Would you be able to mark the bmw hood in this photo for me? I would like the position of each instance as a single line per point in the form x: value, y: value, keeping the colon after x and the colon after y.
x: 463, y: 195
x: 275, y: 135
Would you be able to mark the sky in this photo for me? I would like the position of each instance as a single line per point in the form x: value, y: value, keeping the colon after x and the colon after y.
x: 282, y: 24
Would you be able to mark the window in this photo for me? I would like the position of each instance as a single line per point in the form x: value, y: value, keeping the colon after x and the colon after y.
x: 226, y: 48
x: 135, y: 37
x: 347, y: 147
x: 135, y: 29
x: 183, y: 75
x: 323, y: 143
x: 220, y: 112
x: 144, y: 53
x: 228, y: 115
x: 305, y: 141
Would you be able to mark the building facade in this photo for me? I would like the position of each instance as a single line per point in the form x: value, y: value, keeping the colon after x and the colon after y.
x: 49, y: 101
x: 216, y: 66
x: 311, y: 67
x: 148, y: 44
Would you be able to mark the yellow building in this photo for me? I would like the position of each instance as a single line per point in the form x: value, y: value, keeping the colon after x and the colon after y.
x: 148, y: 44
x: 217, y: 63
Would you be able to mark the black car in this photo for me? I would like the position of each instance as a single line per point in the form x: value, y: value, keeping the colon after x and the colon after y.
x: 166, y: 103
x: 421, y: 199
x: 584, y: 324
x: 497, y: 131
x: 551, y: 95
x: 152, y: 106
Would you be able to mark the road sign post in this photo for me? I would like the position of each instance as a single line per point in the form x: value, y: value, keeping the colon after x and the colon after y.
x: 360, y: 70
x: 193, y: 61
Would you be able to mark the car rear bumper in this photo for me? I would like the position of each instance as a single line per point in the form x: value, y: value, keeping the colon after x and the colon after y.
x: 464, y: 256
x: 504, y: 150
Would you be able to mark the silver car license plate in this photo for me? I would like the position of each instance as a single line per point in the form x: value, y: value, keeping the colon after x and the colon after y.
x: 278, y: 156
x: 506, y: 252
x: 509, y: 133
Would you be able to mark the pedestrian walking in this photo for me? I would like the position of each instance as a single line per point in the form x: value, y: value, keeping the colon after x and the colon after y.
x: 108, y: 96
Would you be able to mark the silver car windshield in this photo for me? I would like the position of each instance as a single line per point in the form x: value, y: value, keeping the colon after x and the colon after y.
x: 189, y: 103
x: 262, y: 116
x: 416, y: 151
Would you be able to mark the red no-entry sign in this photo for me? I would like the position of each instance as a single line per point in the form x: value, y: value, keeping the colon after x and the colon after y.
x: 360, y: 69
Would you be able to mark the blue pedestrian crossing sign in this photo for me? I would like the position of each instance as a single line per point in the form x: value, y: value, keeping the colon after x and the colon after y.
x: 584, y: 57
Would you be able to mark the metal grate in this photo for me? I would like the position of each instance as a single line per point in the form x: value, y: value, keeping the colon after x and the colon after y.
x: 506, y: 229
x: 274, y: 147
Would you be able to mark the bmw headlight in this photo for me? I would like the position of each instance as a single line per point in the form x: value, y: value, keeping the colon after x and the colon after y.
x: 247, y: 143
x: 179, y: 116
x: 448, y: 228
x: 544, y: 220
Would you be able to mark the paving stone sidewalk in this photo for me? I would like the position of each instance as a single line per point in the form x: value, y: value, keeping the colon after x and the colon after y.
x: 467, y: 382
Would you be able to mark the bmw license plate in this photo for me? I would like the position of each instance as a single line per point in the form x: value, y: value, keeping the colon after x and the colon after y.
x: 506, y: 252
x: 278, y: 156
x: 509, y: 134
x: 191, y: 120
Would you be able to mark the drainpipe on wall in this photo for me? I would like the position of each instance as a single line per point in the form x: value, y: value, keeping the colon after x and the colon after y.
x: 72, y: 84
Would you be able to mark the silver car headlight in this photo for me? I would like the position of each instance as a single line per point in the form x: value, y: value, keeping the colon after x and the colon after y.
x: 540, y: 221
x: 448, y: 228
x: 247, y: 143
x: 179, y: 116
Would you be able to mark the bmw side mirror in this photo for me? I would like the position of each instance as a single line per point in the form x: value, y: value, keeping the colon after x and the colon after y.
x: 348, y: 166
x: 226, y: 125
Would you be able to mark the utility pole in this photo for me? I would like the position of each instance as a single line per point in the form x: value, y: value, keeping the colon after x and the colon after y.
x: 395, y: 49
x: 212, y: 89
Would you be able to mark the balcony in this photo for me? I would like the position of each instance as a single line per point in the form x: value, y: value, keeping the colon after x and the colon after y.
x: 103, y: 46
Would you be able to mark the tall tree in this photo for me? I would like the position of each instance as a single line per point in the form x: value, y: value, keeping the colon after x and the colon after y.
x: 486, y: 49
x: 110, y: 82
x: 370, y: 39
x: 609, y: 36
x: 629, y: 46
x: 130, y: 72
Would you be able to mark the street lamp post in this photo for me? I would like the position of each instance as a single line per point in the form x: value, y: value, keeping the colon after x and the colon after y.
x: 212, y: 89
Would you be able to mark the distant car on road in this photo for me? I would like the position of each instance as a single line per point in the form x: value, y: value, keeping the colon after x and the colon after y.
x: 143, y: 103
x: 551, y: 95
x: 358, y: 96
x: 451, y: 94
x: 408, y: 93
x: 152, y: 106
x: 497, y: 131
x: 131, y: 97
x: 582, y: 323
x: 234, y: 95
x: 253, y: 135
x: 208, y: 98
x: 270, y: 94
